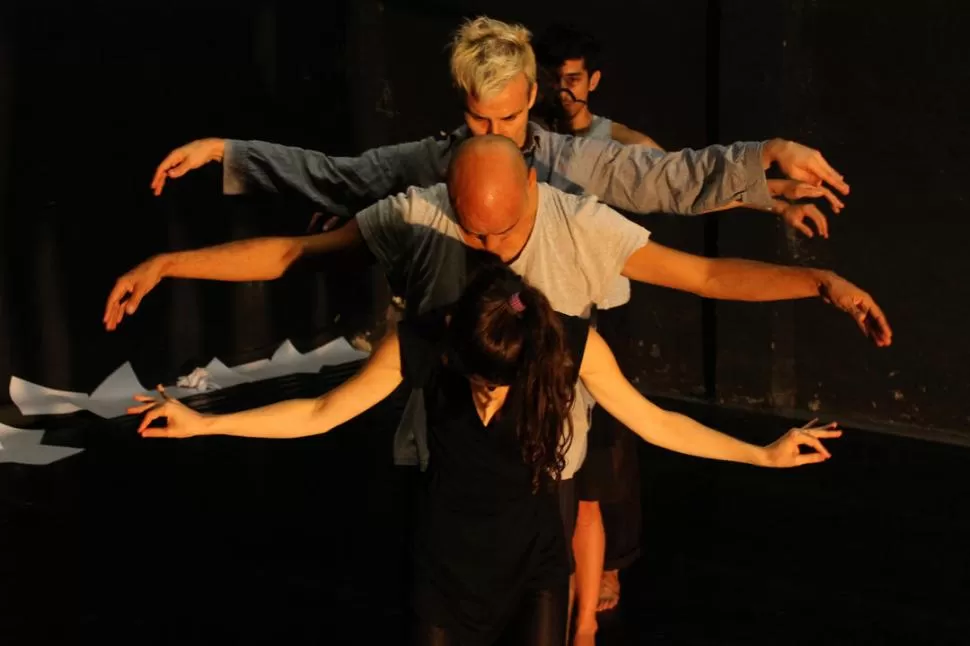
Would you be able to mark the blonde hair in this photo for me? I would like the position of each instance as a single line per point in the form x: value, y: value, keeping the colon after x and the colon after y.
x: 486, y: 54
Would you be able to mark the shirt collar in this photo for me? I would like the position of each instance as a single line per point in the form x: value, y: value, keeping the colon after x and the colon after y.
x: 533, y: 138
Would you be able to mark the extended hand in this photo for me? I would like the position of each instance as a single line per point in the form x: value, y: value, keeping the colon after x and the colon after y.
x: 793, y: 191
x: 180, y: 420
x: 860, y: 306
x: 803, y: 164
x: 785, y: 452
x: 186, y: 158
x: 129, y: 290
x: 797, y: 216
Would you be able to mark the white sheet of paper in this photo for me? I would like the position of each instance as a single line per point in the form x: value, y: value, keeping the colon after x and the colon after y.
x: 286, y: 353
x: 223, y: 376
x: 33, y: 399
x: 334, y: 353
x: 115, y: 394
x: 120, y: 384
x: 22, y: 446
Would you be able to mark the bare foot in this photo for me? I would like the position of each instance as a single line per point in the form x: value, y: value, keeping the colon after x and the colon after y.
x: 609, y: 590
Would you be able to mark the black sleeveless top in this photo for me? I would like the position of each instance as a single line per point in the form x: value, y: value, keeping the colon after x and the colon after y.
x: 483, y: 538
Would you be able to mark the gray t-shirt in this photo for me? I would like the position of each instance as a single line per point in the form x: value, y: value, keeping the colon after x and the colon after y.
x: 601, y: 128
x: 577, y: 249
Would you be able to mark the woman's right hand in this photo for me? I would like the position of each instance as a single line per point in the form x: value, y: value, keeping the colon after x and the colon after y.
x: 180, y: 420
x: 786, y: 452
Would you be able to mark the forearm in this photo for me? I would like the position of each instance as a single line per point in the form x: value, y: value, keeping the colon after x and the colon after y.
x: 288, y: 419
x: 723, y: 278
x: 682, y: 434
x: 339, y: 185
x: 244, y: 260
x: 749, y: 280
x: 655, y: 425
x: 614, y: 392
x: 643, y: 180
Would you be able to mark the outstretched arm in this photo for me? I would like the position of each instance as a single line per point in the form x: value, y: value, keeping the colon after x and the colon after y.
x: 601, y: 375
x: 295, y: 418
x: 243, y: 260
x: 796, y: 216
x: 749, y: 280
x: 645, y: 180
x: 341, y: 186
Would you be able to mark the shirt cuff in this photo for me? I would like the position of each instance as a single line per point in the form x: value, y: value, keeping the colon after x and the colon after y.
x: 756, y: 185
x: 234, y: 160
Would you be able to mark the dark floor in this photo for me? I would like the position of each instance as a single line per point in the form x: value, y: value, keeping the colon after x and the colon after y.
x: 227, y: 541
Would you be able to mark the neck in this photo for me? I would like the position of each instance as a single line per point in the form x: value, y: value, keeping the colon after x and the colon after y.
x: 487, y: 402
x: 581, y: 120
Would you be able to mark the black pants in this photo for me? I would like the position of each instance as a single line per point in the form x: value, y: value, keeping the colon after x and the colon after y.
x: 620, y: 495
x: 540, y: 621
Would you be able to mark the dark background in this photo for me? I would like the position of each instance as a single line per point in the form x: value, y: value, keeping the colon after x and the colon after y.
x: 215, y: 541
x: 95, y: 94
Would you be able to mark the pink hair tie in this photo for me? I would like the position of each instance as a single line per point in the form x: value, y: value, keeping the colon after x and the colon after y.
x: 516, y: 303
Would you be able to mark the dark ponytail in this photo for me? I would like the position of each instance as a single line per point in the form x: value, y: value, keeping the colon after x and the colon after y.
x: 505, y: 332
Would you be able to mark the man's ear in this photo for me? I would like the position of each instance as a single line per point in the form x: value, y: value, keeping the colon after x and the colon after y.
x: 594, y: 80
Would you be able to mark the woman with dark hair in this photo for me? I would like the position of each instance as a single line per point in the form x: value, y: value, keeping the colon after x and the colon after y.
x: 497, y: 371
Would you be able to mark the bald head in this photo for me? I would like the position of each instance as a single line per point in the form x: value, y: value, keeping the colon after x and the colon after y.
x: 488, y: 183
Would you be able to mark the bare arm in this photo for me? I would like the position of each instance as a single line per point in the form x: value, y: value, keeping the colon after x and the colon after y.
x: 243, y: 260
x: 749, y: 280
x: 256, y: 259
x: 721, y: 278
x: 630, y: 137
x: 601, y: 375
x: 295, y: 418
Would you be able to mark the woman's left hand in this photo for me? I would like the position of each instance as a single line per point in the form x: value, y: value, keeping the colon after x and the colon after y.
x: 785, y: 452
x: 180, y: 420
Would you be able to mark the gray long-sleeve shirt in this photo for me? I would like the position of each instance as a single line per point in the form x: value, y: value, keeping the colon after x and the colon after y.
x: 637, y: 179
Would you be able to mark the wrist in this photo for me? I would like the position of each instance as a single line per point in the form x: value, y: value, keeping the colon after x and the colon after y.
x: 207, y: 424
x: 163, y: 264
x: 823, y: 279
x: 759, y: 456
x: 769, y: 152
x: 778, y: 207
x: 217, y: 150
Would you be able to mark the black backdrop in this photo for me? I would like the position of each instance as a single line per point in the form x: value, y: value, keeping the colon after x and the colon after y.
x: 93, y: 95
